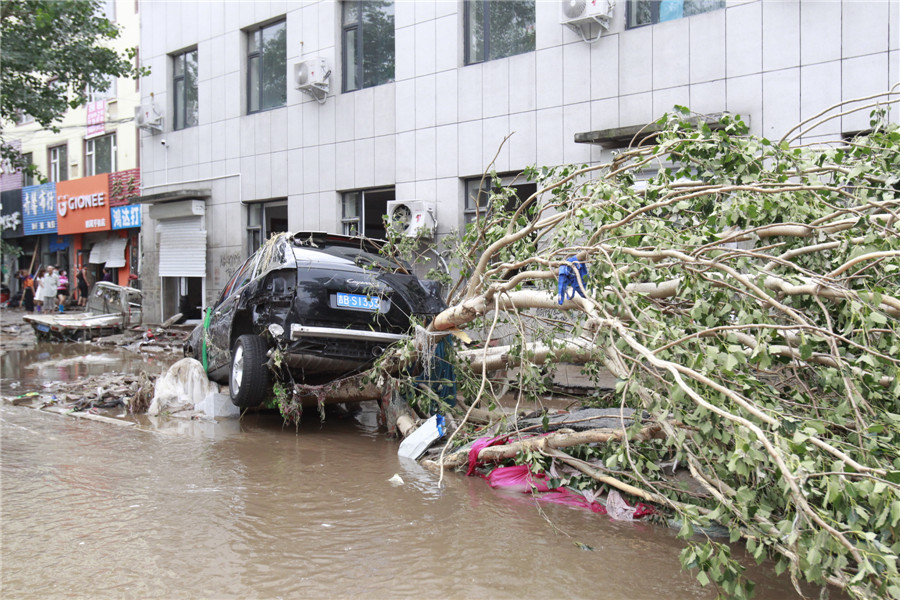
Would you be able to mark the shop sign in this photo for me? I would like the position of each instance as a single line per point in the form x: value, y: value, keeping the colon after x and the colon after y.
x: 60, y: 242
x: 39, y: 209
x: 125, y: 217
x: 123, y: 186
x: 11, y: 214
x: 96, y: 118
x: 82, y: 205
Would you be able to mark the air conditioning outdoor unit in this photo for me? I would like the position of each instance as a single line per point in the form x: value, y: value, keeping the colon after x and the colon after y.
x: 412, y: 217
x: 580, y: 15
x: 148, y: 117
x: 311, y: 77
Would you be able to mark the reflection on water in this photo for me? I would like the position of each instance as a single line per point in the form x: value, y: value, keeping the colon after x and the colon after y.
x: 40, y: 366
x: 255, y: 509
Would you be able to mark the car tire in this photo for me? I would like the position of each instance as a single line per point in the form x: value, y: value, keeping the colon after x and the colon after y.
x: 249, y: 376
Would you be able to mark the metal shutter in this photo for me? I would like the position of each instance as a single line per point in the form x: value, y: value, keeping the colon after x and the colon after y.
x: 182, y: 247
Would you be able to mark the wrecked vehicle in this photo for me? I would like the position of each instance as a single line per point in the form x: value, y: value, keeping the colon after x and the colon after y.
x: 110, y: 309
x: 331, y: 303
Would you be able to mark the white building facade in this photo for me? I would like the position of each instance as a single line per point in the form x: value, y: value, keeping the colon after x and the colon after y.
x: 421, y: 94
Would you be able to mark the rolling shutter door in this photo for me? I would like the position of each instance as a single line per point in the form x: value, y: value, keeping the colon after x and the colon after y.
x: 182, y: 247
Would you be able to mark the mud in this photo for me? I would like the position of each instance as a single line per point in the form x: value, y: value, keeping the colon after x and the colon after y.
x: 252, y: 509
x: 174, y: 508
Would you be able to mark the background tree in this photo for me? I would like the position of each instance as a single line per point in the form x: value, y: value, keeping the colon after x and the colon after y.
x: 53, y: 52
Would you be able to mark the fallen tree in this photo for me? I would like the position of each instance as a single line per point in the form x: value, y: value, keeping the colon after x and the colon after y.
x: 746, y: 293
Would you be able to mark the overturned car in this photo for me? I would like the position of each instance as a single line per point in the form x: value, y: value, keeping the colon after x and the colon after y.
x: 331, y: 303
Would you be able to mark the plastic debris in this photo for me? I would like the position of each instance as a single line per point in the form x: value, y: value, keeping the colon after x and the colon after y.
x: 419, y: 440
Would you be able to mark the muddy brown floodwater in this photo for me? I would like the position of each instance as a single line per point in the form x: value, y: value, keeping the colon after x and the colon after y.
x: 252, y: 509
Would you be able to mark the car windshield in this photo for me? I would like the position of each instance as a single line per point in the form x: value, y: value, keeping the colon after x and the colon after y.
x: 104, y: 300
x: 346, y: 256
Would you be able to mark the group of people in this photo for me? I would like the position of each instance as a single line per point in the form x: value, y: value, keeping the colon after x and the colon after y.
x: 48, y: 289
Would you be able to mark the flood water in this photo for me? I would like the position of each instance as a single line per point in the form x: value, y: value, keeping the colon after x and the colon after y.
x: 182, y: 509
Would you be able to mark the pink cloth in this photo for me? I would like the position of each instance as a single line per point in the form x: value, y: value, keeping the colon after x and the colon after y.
x: 479, y: 445
x: 519, y: 478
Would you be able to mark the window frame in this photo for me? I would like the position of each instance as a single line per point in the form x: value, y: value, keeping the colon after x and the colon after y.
x: 27, y: 176
x: 364, y: 196
x: 58, y: 169
x: 90, y: 154
x: 181, y: 111
x: 655, y: 6
x: 348, y: 222
x: 110, y: 93
x: 509, y: 180
x: 259, y: 56
x: 486, y: 25
x: 258, y: 230
x: 358, y: 69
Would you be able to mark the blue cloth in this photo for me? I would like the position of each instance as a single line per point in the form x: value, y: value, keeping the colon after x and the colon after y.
x: 440, y: 375
x: 568, y: 278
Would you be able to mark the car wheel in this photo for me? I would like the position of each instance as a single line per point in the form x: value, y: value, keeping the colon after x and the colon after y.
x: 249, y: 374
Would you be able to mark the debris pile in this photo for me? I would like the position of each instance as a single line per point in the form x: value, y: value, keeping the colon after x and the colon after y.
x: 106, y: 391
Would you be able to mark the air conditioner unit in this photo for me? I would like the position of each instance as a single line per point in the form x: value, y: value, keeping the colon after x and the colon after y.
x: 412, y: 217
x: 311, y: 77
x: 148, y: 117
x: 580, y: 15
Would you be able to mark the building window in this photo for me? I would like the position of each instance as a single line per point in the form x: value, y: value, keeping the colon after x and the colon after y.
x: 108, y: 94
x: 368, y: 43
x: 498, y: 29
x: 266, y: 68
x: 100, y: 155
x: 648, y: 12
x: 27, y: 161
x: 478, y: 193
x: 108, y: 10
x: 264, y: 219
x: 59, y: 159
x: 184, y: 85
x: 362, y: 212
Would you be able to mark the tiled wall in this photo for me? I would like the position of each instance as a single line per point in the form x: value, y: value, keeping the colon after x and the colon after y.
x: 775, y: 62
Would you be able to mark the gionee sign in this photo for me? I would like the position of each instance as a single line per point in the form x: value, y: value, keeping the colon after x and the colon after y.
x: 82, y: 205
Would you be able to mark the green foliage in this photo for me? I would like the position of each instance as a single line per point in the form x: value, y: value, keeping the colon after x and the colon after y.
x: 53, y: 51
x: 773, y: 365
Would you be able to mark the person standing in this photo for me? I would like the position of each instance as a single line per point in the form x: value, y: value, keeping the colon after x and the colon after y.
x: 50, y: 285
x: 62, y: 290
x: 82, y: 280
x: 39, y: 290
x: 28, y: 292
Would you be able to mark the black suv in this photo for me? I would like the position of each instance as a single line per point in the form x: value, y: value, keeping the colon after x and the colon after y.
x: 331, y: 302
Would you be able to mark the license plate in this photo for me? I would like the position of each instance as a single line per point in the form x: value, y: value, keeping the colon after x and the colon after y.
x: 43, y: 328
x: 358, y: 301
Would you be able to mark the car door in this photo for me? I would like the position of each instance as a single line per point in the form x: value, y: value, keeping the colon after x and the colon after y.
x: 218, y: 336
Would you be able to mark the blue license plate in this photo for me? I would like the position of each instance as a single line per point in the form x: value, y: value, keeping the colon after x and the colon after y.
x: 358, y: 301
x: 43, y: 328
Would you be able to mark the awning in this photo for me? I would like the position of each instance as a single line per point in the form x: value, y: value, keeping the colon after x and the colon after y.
x: 110, y: 253
x: 622, y: 137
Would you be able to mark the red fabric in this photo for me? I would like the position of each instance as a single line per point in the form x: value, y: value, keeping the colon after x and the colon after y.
x: 477, y: 446
x: 519, y: 478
